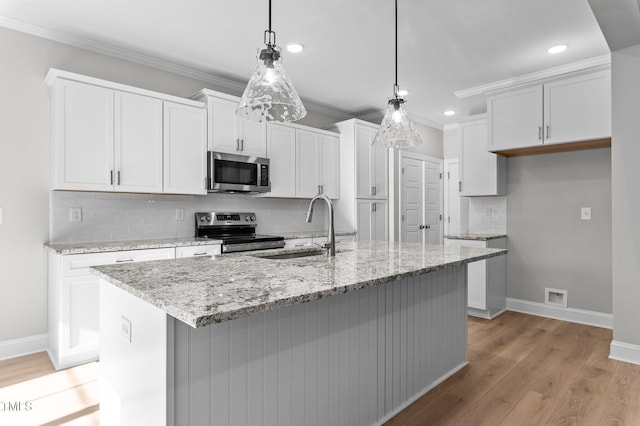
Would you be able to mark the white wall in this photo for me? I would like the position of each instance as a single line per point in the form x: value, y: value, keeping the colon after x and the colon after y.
x: 625, y: 183
x: 24, y: 161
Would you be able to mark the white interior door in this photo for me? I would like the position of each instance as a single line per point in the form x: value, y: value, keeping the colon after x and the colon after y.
x: 432, y: 202
x: 412, y: 187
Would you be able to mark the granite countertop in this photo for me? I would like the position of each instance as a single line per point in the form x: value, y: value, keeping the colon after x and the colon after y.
x: 107, y: 246
x: 476, y: 237
x: 308, y: 234
x: 202, y: 291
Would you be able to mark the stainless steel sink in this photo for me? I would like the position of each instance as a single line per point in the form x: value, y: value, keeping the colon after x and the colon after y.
x: 294, y: 255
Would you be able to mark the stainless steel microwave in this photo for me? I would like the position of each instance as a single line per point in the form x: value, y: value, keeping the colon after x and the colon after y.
x: 237, y: 173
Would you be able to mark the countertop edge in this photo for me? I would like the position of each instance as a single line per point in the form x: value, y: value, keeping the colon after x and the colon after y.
x: 114, y: 246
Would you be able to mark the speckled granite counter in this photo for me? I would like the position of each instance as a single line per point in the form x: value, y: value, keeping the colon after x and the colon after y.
x: 308, y: 234
x: 203, y: 291
x: 108, y: 246
x: 475, y: 237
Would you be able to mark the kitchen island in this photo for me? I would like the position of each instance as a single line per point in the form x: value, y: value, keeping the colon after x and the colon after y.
x: 246, y: 339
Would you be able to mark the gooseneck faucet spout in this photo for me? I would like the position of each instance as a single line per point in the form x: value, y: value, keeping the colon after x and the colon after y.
x: 332, y: 235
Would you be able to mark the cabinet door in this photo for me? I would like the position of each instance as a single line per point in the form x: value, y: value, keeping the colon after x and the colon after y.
x: 329, y: 157
x: 82, y: 331
x: 380, y: 171
x: 476, y: 274
x: 380, y: 220
x: 515, y: 119
x: 281, y: 150
x: 83, y: 137
x: 480, y: 169
x: 198, y: 251
x: 364, y: 225
x: 223, y: 131
x: 307, y: 161
x: 253, y: 137
x: 138, y: 143
x: 185, y: 146
x: 364, y: 185
x: 578, y: 109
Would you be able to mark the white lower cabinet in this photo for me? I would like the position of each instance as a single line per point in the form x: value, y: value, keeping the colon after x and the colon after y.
x: 198, y: 251
x: 73, y: 302
x: 486, y: 279
x: 298, y: 243
x: 373, y: 220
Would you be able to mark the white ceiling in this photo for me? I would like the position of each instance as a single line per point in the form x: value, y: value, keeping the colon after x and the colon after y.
x: 444, y: 46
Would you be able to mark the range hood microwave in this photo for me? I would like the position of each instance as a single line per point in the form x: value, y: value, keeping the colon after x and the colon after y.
x: 233, y: 173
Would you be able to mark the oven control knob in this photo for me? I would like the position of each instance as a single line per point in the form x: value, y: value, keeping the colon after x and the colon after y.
x: 202, y: 218
x: 208, y: 218
x: 246, y: 218
x: 253, y: 218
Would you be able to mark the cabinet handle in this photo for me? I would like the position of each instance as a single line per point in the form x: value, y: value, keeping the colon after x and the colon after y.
x: 203, y: 253
x: 322, y: 189
x: 118, y: 177
x: 373, y: 207
x: 420, y: 226
x: 124, y: 260
x: 539, y: 133
x: 237, y: 144
x: 241, y: 144
x: 111, y: 174
x: 547, y: 131
x: 459, y: 186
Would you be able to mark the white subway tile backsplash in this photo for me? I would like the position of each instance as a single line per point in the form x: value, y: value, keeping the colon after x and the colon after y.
x: 115, y: 216
x: 488, y: 215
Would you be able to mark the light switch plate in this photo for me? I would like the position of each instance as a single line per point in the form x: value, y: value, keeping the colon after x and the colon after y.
x: 585, y: 213
x: 1, y: 216
x: 125, y: 328
x: 180, y: 214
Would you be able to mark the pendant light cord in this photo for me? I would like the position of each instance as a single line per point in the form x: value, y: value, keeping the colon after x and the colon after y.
x: 270, y: 15
x: 269, y: 36
x: 396, y: 85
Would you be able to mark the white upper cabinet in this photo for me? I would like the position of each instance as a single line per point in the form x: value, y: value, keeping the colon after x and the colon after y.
x: 304, y: 161
x: 281, y: 150
x: 515, y: 119
x: 227, y: 132
x: 482, y: 173
x: 578, y: 108
x: 111, y: 137
x: 138, y: 143
x: 566, y: 110
x: 185, y: 147
x: 82, y: 131
x: 372, y: 169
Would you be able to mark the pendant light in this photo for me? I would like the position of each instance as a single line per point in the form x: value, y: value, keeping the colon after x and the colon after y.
x: 270, y: 95
x: 397, y: 129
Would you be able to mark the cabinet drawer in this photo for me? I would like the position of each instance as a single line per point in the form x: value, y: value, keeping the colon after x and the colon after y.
x: 464, y: 243
x: 79, y: 264
x: 298, y: 242
x: 197, y: 251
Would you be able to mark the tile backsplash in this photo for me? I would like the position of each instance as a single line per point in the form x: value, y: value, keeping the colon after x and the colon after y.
x: 113, y: 216
x: 488, y: 215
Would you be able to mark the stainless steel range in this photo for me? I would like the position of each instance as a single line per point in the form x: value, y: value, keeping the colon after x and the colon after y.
x: 236, y: 230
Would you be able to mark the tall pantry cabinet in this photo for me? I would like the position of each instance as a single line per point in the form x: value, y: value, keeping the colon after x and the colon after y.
x: 364, y: 182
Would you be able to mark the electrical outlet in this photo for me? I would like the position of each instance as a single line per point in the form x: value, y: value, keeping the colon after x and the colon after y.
x: 75, y: 214
x: 125, y: 328
x: 180, y: 214
x: 488, y: 212
x: 585, y: 213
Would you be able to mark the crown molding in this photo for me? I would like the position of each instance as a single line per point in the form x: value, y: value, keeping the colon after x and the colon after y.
x: 153, y: 62
x: 603, y: 61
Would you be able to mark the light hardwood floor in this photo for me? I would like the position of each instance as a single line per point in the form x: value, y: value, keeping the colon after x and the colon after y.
x: 523, y: 370
x: 526, y: 370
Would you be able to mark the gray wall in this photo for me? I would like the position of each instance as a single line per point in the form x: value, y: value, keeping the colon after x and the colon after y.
x: 24, y: 162
x: 625, y: 163
x: 549, y: 246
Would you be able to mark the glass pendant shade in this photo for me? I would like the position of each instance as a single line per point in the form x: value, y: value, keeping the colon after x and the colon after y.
x: 397, y: 130
x: 270, y: 95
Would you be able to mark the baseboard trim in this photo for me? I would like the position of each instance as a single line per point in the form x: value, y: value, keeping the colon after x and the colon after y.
x: 625, y: 352
x: 479, y: 313
x: 23, y: 346
x: 580, y: 316
x: 419, y: 394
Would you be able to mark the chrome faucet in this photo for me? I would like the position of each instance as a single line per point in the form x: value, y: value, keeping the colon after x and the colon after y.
x: 331, y: 245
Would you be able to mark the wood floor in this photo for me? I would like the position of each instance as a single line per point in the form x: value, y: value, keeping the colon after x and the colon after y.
x: 523, y: 370
x: 526, y: 370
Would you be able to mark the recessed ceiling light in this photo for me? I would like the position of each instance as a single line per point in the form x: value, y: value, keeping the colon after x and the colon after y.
x: 557, y: 49
x: 449, y: 112
x: 295, y: 47
x: 403, y: 92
